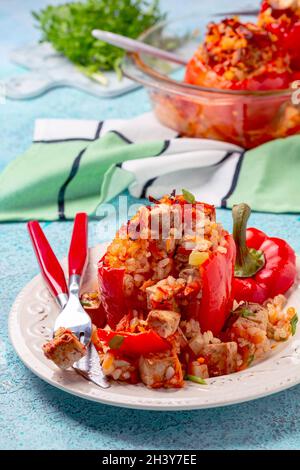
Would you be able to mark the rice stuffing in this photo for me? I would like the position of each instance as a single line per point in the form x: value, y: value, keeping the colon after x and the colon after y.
x: 162, y: 278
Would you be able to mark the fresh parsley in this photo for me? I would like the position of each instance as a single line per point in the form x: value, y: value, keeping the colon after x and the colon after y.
x: 116, y: 342
x: 189, y: 197
x: 293, y: 323
x: 68, y: 28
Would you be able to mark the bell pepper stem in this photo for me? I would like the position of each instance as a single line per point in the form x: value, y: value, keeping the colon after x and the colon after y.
x: 248, y: 261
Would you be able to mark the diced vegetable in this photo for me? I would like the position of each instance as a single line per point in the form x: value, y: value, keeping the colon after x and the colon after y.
x: 134, y: 344
x: 294, y: 322
x: 197, y: 258
x: 195, y: 379
x: 116, y: 342
x: 189, y: 197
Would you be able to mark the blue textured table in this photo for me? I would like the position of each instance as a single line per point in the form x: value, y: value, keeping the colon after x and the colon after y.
x: 35, y: 415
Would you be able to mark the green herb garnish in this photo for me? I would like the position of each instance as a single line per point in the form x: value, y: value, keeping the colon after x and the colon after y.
x: 68, y: 28
x: 189, y: 197
x: 246, y: 312
x: 85, y: 304
x: 197, y: 380
x: 250, y: 360
x: 116, y: 342
x: 293, y: 323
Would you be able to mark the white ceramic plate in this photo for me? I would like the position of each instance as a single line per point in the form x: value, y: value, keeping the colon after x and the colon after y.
x: 32, y: 317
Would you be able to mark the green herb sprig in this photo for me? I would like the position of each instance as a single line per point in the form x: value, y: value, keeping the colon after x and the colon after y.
x: 293, y: 323
x: 194, y: 378
x: 246, y: 312
x: 68, y: 28
x: 250, y: 360
x: 189, y: 197
x: 116, y: 342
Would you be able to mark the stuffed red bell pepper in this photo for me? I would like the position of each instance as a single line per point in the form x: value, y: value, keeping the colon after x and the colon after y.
x: 171, y: 256
x: 265, y: 266
x: 282, y: 19
x: 239, y: 56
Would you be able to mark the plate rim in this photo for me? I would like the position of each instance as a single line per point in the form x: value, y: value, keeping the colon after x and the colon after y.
x: 155, y: 404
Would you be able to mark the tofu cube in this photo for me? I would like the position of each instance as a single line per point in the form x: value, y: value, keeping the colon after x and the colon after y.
x: 252, y: 315
x: 158, y: 370
x: 164, y: 322
x: 250, y: 323
x: 221, y: 358
x: 64, y: 349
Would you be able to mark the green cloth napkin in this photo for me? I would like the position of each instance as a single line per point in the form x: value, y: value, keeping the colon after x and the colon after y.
x: 269, y: 178
x: 56, y: 180
x: 58, y: 177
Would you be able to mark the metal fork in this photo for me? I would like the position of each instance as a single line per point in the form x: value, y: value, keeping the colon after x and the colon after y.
x: 72, y: 316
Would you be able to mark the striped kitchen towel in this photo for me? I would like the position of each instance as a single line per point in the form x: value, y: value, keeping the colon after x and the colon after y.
x: 75, y: 165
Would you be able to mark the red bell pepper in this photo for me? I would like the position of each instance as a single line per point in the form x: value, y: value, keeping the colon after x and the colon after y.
x: 112, y: 293
x: 93, y: 306
x: 284, y: 24
x: 134, y: 344
x: 114, y: 301
x: 265, y: 266
x: 202, y: 75
x: 217, y: 281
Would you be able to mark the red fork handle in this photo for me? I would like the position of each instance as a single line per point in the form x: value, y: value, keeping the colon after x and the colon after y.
x: 78, y: 252
x: 50, y: 267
